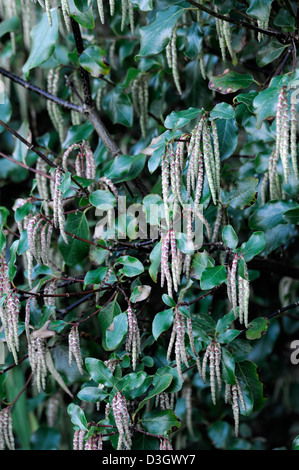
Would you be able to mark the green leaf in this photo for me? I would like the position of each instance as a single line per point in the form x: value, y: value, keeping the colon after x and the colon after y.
x: 82, y: 5
x: 220, y: 434
x: 155, y: 37
x: 244, y: 194
x: 103, y: 200
x: 124, y: 167
x: 83, y: 17
x: 143, y: 5
x: 77, y: 134
x: 43, y: 37
x: 228, y: 367
x: 178, y: 119
x: 12, y: 269
x: 212, y: 276
x: 65, y: 182
x: 222, y: 111
x: 92, y: 394
x: 230, y: 81
x: 77, y: 416
x: 199, y: 263
x: 99, y: 372
x: 257, y: 328
x: 265, y: 103
x: 155, y: 259
x: 118, y: 107
x: 227, y: 136
x: 248, y: 374
x: 47, y: 311
x: 10, y: 25
x: 22, y: 211
x: 270, y: 52
x: 270, y: 215
x: 228, y: 336
x: 97, y: 275
x: 255, y: 245
x: 225, y: 322
x: 117, y: 331
x: 229, y: 237
x: 159, y: 422
x: 295, y: 445
x: 2, y: 241
x: 168, y: 300
x: 131, y: 266
x: 162, y: 322
x: 292, y: 215
x: 259, y: 9
x: 4, y: 213
x: 106, y: 317
x: 76, y: 250
x: 93, y: 59
x: 194, y: 40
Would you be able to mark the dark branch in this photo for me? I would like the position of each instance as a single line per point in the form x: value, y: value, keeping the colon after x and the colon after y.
x: 39, y: 91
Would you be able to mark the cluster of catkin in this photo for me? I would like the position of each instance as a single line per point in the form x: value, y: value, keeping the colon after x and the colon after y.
x: 140, y: 98
x: 238, y: 289
x: 204, y: 158
x: 127, y: 11
x: 223, y: 30
x: 65, y: 11
x: 263, y: 24
x: 9, y: 310
x: 39, y: 233
x: 6, y: 429
x: 54, y: 110
x: 36, y: 340
x: 37, y: 357
x: 172, y: 59
x: 234, y: 396
x: 122, y: 418
x: 165, y: 401
x: 42, y: 183
x: 133, y: 336
x: 165, y: 444
x: 58, y: 212
x: 286, y: 144
x: 181, y: 326
x: 92, y: 443
x: 74, y: 348
x: 85, y: 165
x: 169, y: 246
x: 213, y: 355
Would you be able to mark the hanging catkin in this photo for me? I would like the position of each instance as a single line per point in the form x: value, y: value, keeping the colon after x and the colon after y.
x: 234, y: 396
x: 238, y: 289
x: 121, y: 417
x: 223, y: 30
x: 140, y: 97
x: 133, y: 336
x: 172, y: 59
x: 53, y: 109
x: 213, y: 354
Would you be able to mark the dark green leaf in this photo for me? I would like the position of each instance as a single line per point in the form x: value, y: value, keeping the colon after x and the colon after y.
x: 155, y: 36
x: 257, y: 328
x: 159, y: 422
x: 230, y: 82
x: 43, y: 37
x: 212, y: 276
x: 76, y: 250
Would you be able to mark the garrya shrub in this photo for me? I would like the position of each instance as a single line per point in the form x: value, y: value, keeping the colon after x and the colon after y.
x: 149, y: 212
